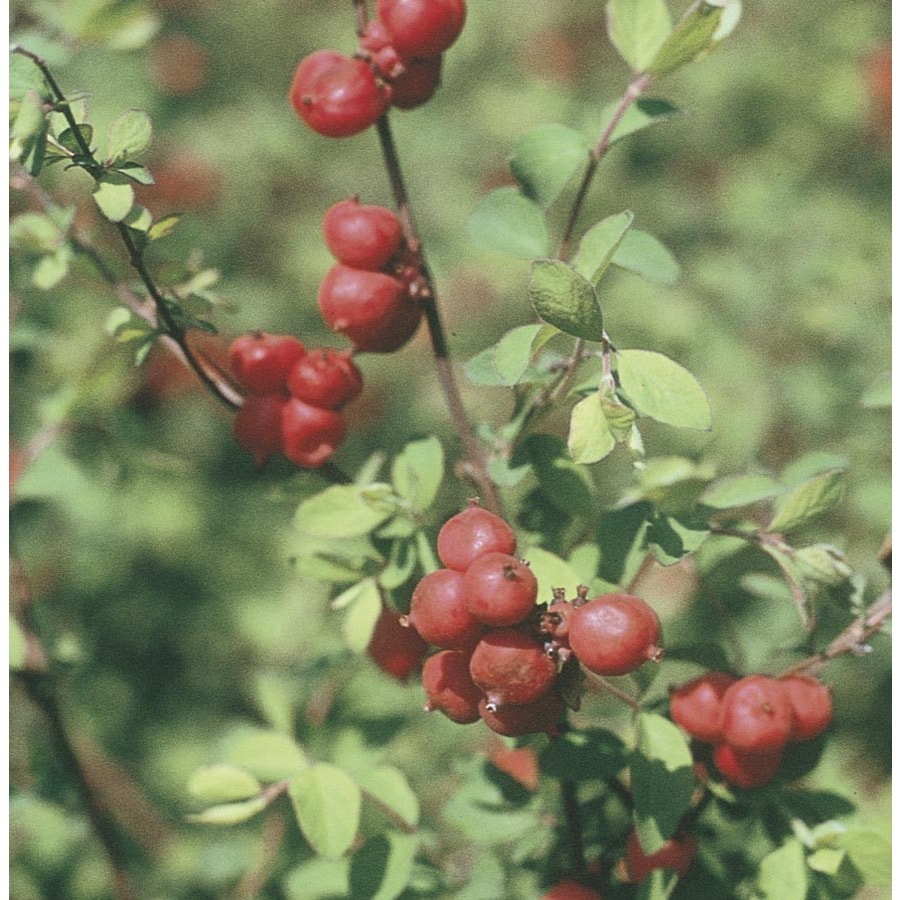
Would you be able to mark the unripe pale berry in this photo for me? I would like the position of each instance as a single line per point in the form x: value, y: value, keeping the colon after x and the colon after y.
x: 450, y: 688
x: 511, y: 668
x: 540, y: 716
x: 614, y: 634
x: 472, y: 533
x: 757, y: 715
x: 362, y: 236
x: 310, y: 435
x: 747, y: 770
x: 697, y: 705
x: 499, y: 590
x: 325, y: 378
x: 396, y: 650
x: 422, y: 28
x: 438, y: 611
x: 677, y: 853
x: 257, y: 426
x: 262, y: 362
x: 811, y: 705
x: 335, y: 95
x: 370, y: 308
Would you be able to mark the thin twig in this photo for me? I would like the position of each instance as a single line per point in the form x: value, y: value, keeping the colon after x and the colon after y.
x: 618, y: 693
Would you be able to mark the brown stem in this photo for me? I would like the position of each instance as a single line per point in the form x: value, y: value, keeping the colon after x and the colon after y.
x: 255, y: 878
x: 618, y: 693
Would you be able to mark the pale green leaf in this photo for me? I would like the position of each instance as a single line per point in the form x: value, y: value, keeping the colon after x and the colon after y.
x: 808, y: 501
x: 417, y: 472
x: 644, y: 255
x: 740, y: 490
x: 267, y: 755
x: 506, y: 221
x: 380, y: 869
x: 360, y: 616
x: 878, y: 394
x: 345, y: 510
x: 783, y: 874
x: 327, y: 804
x: 563, y: 483
x: 703, y: 26
x: 870, y: 851
x: 512, y: 353
x: 546, y: 158
x: 229, y: 813
x: 388, y: 788
x: 637, y: 29
x: 660, y: 388
x: 317, y: 879
x: 17, y: 645
x: 164, y: 227
x: 128, y: 135
x: 590, y: 437
x: 565, y: 299
x: 641, y: 114
x: 222, y: 783
x: 658, y: 885
x: 600, y: 244
x: 51, y: 269
x: 30, y: 117
x: 551, y: 572
x: 114, y: 199
x: 136, y: 172
x: 826, y: 860
x: 69, y: 138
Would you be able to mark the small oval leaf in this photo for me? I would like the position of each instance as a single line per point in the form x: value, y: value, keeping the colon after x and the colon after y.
x: 506, y: 221
x: 562, y: 297
x: 128, y: 134
x: 327, y: 804
x: 546, y: 158
x: 590, y: 437
x: 222, y: 783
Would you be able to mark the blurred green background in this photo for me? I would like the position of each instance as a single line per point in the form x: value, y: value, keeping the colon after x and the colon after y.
x: 156, y: 554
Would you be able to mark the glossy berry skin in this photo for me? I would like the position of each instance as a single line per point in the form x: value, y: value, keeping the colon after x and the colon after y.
x: 499, y: 590
x: 614, y: 634
x: 511, y: 667
x: 746, y: 770
x: 676, y: 853
x: 370, y: 308
x: 417, y: 83
x: 396, y: 650
x: 325, y: 378
x: 697, y: 705
x: 472, y: 533
x: 756, y: 714
x: 335, y: 95
x: 570, y: 890
x: 362, y: 236
x: 439, y: 614
x: 811, y: 705
x: 310, y: 435
x: 376, y: 42
x: 257, y: 426
x: 262, y: 362
x: 450, y: 688
x: 540, y: 716
x: 420, y: 29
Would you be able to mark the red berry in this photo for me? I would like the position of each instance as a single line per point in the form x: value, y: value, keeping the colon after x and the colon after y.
x: 540, y: 716
x: 325, y: 378
x: 676, y: 853
x: 511, y: 668
x: 360, y: 236
x: 310, y: 435
x: 335, y: 95
x: 520, y: 763
x: 570, y: 890
x: 257, y: 426
x: 697, y: 705
x: 370, y: 308
x: 262, y: 362
x: 811, y: 705
x: 376, y: 41
x: 417, y: 83
x: 757, y: 715
x: 614, y: 634
x: 439, y: 614
x: 396, y: 650
x: 499, y: 589
x: 746, y: 770
x: 422, y: 28
x: 450, y: 688
x: 472, y: 533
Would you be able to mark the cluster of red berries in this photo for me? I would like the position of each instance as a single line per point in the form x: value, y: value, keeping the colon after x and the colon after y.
x: 499, y: 653
x: 398, y: 64
x: 749, y: 721
x: 294, y: 397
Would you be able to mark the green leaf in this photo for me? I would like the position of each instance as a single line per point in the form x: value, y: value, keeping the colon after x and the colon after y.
x: 563, y: 483
x: 562, y: 297
x: 546, y: 158
x: 69, y: 138
x: 317, y: 879
x: 660, y: 388
x: 327, y: 804
x: 644, y: 255
x: 51, y: 269
x: 878, y: 394
x: 783, y: 874
x: 705, y: 24
x: 481, y: 369
x: 513, y: 352
x: 585, y: 755
x: 30, y: 117
x: 870, y: 851
x: 381, y: 868
x: 114, y: 198
x: 223, y: 783
x: 662, y: 780
x: 637, y: 29
x: 268, y: 755
x: 389, y: 788
x: 590, y: 437
x: 345, y: 510
x: 229, y: 813
x: 34, y: 233
x: 508, y: 222
x: 740, y: 490
x: 136, y: 172
x: 164, y: 227
x: 361, y: 615
x: 672, y: 539
x: 826, y: 860
x: 619, y: 417
x: 815, y: 463
x: 25, y: 76
x: 658, y: 885
x: 17, y: 645
x: 128, y: 134
x: 551, y: 572
x: 808, y: 501
x: 599, y: 245
x: 418, y: 471
x: 641, y: 114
